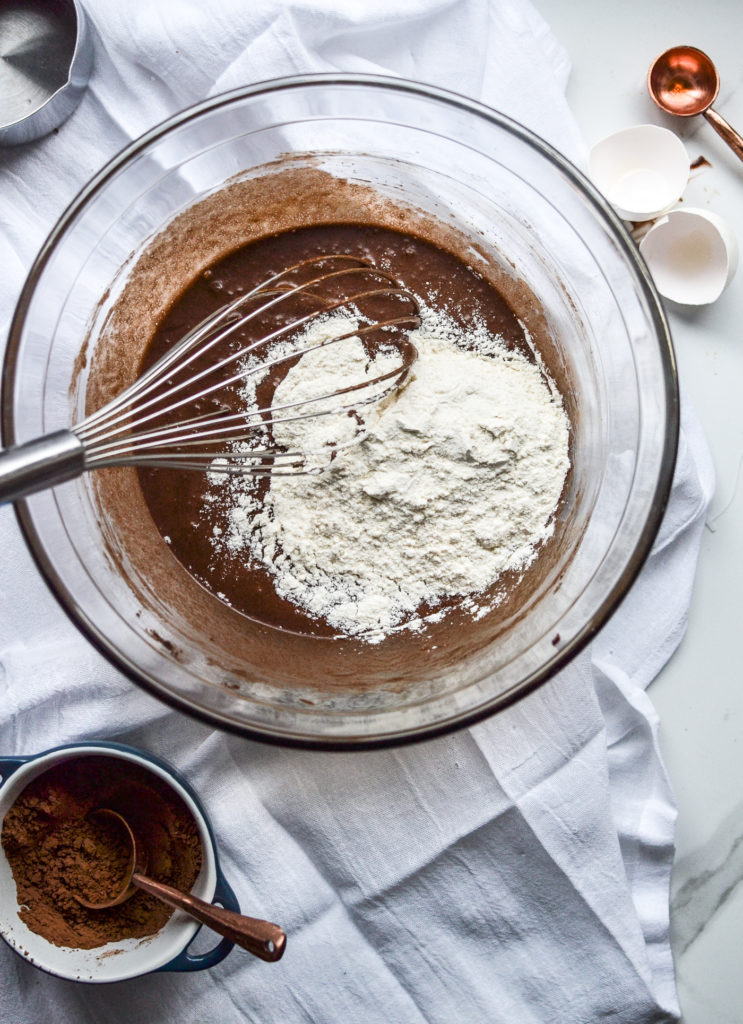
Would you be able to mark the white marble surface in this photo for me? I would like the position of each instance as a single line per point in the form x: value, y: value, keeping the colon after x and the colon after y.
x: 699, y: 695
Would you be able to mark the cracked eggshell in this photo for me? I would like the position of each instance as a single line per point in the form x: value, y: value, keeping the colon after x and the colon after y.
x: 642, y: 171
x: 692, y: 255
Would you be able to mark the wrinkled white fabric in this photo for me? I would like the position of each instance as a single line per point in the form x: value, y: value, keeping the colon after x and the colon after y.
x: 514, y: 873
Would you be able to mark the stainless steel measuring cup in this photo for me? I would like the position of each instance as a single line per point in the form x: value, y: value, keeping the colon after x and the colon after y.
x: 46, y: 55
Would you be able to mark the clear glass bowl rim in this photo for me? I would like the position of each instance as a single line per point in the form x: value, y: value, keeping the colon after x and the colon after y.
x: 644, y: 281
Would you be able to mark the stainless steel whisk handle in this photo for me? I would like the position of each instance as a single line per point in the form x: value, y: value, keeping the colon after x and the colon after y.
x: 39, y: 464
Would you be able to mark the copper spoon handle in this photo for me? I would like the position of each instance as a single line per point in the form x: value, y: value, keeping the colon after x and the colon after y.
x: 726, y: 131
x: 261, y: 938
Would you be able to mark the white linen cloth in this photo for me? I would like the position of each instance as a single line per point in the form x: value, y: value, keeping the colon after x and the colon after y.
x: 516, y: 872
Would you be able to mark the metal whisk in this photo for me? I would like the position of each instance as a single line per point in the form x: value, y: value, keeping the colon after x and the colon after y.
x: 158, y: 421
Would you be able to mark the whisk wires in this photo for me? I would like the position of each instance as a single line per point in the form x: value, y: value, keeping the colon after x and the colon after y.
x: 153, y: 422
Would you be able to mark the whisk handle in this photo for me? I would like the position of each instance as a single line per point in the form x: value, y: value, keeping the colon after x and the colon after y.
x: 39, y: 464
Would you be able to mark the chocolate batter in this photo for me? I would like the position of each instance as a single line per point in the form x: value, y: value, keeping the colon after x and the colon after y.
x: 289, y: 206
x: 179, y: 501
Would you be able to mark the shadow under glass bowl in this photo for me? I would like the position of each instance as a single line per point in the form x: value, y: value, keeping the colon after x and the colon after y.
x: 456, y: 161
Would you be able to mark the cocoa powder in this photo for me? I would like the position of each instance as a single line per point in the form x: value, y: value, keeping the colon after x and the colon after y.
x: 96, y: 855
x: 54, y: 850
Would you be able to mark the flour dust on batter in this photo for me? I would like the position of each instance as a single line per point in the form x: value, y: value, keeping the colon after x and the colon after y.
x: 455, y: 482
x: 446, y: 510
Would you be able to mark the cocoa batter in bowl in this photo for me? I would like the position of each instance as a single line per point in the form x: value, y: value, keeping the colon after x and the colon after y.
x: 471, y: 212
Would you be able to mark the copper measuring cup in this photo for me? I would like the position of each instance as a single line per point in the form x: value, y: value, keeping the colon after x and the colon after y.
x: 683, y: 81
x: 261, y: 938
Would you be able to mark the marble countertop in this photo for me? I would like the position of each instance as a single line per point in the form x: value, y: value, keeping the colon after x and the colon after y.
x: 699, y: 695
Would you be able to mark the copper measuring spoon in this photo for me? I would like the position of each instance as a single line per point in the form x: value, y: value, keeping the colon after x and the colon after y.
x: 263, y: 939
x: 683, y: 81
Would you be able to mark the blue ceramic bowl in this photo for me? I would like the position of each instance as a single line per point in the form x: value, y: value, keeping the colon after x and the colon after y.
x: 168, y: 950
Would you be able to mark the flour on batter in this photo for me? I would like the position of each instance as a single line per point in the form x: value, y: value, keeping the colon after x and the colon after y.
x: 456, y: 482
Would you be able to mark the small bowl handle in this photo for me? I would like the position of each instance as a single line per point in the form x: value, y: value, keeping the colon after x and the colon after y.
x: 185, y: 961
x: 10, y: 764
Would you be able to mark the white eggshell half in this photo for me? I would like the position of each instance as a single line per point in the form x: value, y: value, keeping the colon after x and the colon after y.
x: 692, y: 255
x: 642, y: 171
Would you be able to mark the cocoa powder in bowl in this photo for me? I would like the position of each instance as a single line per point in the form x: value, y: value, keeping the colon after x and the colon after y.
x: 50, y: 847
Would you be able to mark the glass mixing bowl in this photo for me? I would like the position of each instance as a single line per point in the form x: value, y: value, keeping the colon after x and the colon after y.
x: 525, y: 207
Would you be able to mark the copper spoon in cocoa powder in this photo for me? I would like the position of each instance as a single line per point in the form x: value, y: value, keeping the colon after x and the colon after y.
x: 262, y: 938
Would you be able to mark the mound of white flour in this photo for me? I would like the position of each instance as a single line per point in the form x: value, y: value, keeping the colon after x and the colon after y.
x: 456, y: 482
